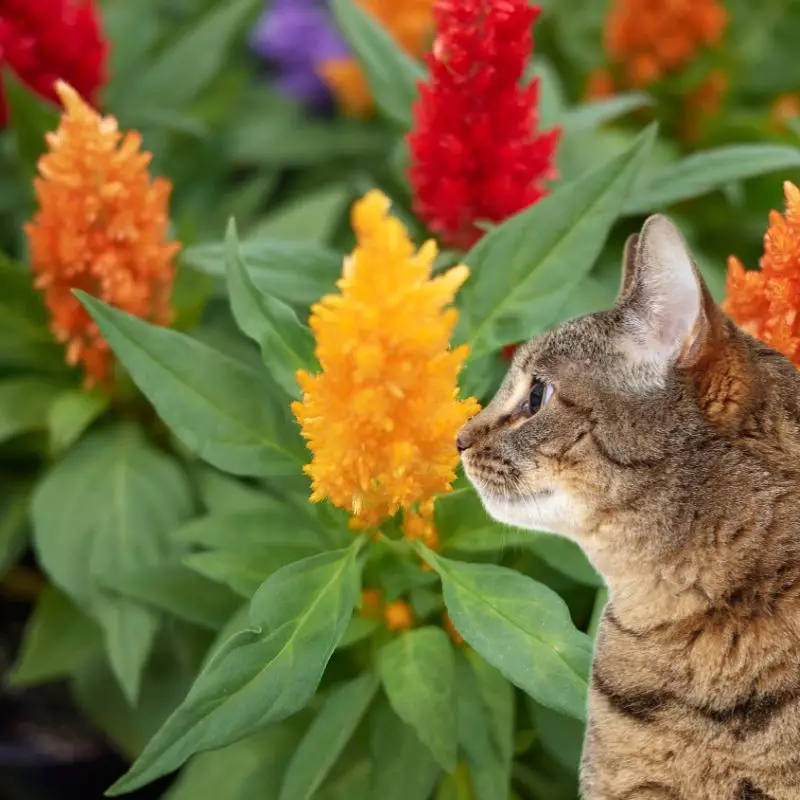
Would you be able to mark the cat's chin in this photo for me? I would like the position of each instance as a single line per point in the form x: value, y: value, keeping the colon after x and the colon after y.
x: 549, y: 510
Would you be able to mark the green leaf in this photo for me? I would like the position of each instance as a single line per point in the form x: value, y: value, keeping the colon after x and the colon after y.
x: 24, y: 405
x: 403, y: 767
x: 169, y: 673
x: 107, y: 507
x: 220, y: 409
x: 30, y: 118
x: 295, y: 272
x: 14, y: 502
x: 25, y: 339
x: 222, y: 773
x: 418, y: 670
x: 701, y: 173
x: 561, y: 736
x: 180, y: 73
x: 178, y: 591
x: 521, y: 627
x: 264, y: 673
x: 457, y: 786
x: 524, y: 270
x: 223, y: 494
x: 313, y: 217
x: 58, y: 639
x: 592, y: 115
x: 359, y: 629
x: 391, y: 74
x: 71, y: 413
x: 327, y: 737
x: 286, y: 344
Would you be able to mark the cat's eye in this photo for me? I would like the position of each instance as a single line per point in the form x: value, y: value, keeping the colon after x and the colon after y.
x: 539, y: 396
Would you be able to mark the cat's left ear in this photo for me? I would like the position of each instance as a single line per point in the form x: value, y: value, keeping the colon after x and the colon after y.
x: 667, y: 310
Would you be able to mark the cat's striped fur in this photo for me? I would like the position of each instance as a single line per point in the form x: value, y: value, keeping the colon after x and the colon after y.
x: 670, y: 451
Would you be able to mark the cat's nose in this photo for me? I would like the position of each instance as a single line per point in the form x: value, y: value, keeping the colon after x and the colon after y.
x: 463, y: 441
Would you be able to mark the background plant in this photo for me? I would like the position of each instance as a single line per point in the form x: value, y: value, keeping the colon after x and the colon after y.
x: 182, y: 583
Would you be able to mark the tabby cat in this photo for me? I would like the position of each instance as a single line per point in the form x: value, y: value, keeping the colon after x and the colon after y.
x: 666, y: 442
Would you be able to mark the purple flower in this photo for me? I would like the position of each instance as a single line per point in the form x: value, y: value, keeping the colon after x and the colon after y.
x: 294, y: 36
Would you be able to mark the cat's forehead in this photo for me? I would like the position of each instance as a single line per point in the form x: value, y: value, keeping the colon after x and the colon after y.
x: 585, y: 344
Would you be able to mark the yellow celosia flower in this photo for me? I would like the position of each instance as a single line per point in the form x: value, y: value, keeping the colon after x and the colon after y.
x: 382, y: 415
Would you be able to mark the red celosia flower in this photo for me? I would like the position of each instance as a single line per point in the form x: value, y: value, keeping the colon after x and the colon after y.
x: 47, y: 40
x: 476, y: 154
x: 766, y: 303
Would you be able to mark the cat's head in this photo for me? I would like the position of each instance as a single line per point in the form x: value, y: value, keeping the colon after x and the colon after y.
x: 607, y: 422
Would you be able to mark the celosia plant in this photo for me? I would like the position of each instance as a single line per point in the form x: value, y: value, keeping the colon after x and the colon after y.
x: 101, y: 227
x: 765, y: 302
x: 46, y: 40
x: 313, y: 62
x: 477, y: 156
x: 649, y: 39
x: 382, y: 414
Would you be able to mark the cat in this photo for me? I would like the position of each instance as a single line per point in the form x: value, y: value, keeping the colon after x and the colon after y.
x: 666, y: 442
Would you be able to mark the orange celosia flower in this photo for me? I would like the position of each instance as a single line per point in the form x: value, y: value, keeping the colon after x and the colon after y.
x: 101, y: 227
x: 382, y: 415
x: 652, y: 38
x: 410, y: 23
x: 599, y: 84
x: 784, y: 108
x: 398, y: 616
x: 450, y: 629
x: 422, y: 527
x: 704, y: 103
x: 766, y: 303
x: 371, y: 604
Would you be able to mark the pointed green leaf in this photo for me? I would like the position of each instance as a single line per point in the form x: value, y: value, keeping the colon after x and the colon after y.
x: 403, y: 767
x: 521, y: 627
x: 327, y: 737
x: 298, y: 273
x: 182, y: 71
x: 14, y: 510
x: 264, y: 673
x: 71, y: 414
x: 58, y: 639
x: 701, y: 173
x: 30, y: 118
x: 25, y: 404
x: 228, y: 414
x: 391, y: 74
x: 561, y: 736
x: 286, y: 344
x: 588, y: 116
x: 418, y: 671
x: 179, y: 591
x: 524, y: 270
x: 106, y: 507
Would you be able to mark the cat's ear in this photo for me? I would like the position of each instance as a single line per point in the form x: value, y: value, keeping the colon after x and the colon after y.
x: 628, y: 266
x: 666, y: 306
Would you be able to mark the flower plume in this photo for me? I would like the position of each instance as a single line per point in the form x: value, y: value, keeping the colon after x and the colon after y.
x: 765, y: 302
x: 381, y: 416
x: 101, y: 226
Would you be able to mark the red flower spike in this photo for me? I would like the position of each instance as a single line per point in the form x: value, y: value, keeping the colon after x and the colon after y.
x: 475, y: 150
x: 43, y: 41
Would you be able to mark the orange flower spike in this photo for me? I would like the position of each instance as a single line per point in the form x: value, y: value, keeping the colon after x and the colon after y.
x: 398, y: 616
x: 650, y: 38
x: 765, y: 303
x: 410, y: 24
x: 381, y: 417
x: 450, y: 629
x: 101, y: 227
x: 371, y: 604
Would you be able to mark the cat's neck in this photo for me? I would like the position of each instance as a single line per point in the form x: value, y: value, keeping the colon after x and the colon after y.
x: 743, y: 561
